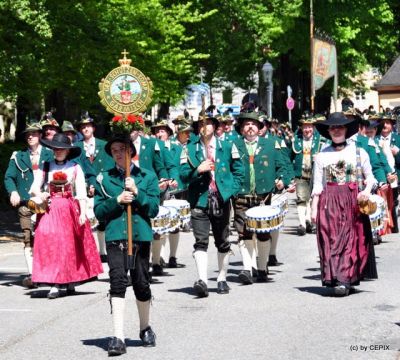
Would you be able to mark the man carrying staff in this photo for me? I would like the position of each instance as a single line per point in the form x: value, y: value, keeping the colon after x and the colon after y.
x: 214, y: 172
x: 265, y: 172
x: 23, y: 167
x: 113, y: 192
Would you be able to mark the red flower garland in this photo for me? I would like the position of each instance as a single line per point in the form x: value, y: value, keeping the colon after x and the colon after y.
x: 59, y: 175
x: 127, y: 124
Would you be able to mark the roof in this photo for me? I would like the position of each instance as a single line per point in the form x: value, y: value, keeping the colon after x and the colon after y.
x: 391, y: 77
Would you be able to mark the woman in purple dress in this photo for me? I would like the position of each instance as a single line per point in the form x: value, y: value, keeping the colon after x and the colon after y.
x: 342, y: 178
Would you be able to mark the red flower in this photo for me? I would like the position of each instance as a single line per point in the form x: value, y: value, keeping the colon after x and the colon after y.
x: 59, y: 175
x: 117, y: 118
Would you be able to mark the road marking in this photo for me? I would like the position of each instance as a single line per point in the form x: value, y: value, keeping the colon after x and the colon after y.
x: 13, y: 268
x: 15, y: 310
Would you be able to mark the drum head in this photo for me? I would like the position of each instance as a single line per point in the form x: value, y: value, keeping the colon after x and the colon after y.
x: 263, y: 212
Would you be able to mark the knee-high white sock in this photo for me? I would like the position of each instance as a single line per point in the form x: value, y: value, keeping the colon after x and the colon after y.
x: 255, y: 252
x: 223, y: 262
x: 144, y: 313
x: 173, y: 244
x: 201, y: 258
x: 101, y: 239
x: 246, y: 248
x: 301, y: 210
x: 263, y: 253
x: 274, y: 242
x: 308, y: 211
x: 163, y: 239
x: 28, y: 259
x: 118, y: 311
x: 156, y: 251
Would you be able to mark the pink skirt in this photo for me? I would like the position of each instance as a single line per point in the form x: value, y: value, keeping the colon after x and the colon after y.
x: 64, y: 251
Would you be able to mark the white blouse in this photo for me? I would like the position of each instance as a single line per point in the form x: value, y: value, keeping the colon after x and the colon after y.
x: 75, y: 176
x: 340, y: 166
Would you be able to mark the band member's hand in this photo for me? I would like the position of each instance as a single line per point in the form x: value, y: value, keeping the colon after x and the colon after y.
x: 391, y: 177
x: 173, y: 184
x: 130, y: 185
x: 125, y: 197
x: 279, y: 184
x: 205, y: 166
x: 363, y: 196
x: 15, y: 199
x: 44, y: 196
x: 163, y: 184
x: 395, y: 150
x: 314, y: 216
x: 82, y: 219
x: 91, y: 191
x: 291, y: 188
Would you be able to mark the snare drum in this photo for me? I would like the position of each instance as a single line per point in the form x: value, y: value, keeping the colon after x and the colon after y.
x: 377, y: 219
x: 281, y: 202
x: 160, y: 224
x: 175, y: 220
x: 183, y: 208
x: 264, y: 218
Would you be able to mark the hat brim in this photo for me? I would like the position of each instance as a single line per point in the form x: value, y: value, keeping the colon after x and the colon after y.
x: 26, y: 131
x: 121, y: 139
x: 240, y: 122
x: 351, y: 125
x: 154, y: 127
x: 74, y: 151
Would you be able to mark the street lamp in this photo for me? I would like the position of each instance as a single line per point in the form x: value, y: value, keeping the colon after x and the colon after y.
x: 268, y: 70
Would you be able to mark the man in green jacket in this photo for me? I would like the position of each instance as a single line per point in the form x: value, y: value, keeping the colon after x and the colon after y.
x: 214, y: 172
x: 265, y: 172
x: 113, y: 192
x: 24, y: 165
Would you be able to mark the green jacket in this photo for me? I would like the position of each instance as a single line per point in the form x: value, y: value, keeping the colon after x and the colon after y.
x: 229, y: 172
x: 145, y: 206
x: 296, y: 153
x: 395, y: 141
x: 19, y: 173
x: 285, y: 151
x: 269, y: 165
x: 152, y: 157
x: 175, y: 151
x: 102, y: 161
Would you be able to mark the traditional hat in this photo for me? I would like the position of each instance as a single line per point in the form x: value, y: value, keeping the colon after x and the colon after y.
x: 337, y: 118
x: 307, y: 118
x: 265, y: 119
x: 85, y: 119
x: 208, y: 117
x: 373, y: 123
x: 48, y: 120
x: 67, y: 126
x: 179, y: 119
x: 161, y: 123
x: 32, y: 127
x: 353, y: 113
x: 121, y: 139
x: 185, y: 125
x: 249, y: 116
x: 62, y: 141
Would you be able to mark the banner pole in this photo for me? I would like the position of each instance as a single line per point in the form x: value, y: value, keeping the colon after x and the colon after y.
x: 312, y: 54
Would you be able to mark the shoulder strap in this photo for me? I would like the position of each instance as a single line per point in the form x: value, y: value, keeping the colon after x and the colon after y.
x: 360, y: 179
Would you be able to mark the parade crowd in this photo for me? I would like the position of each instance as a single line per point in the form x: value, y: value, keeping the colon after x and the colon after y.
x: 188, y: 174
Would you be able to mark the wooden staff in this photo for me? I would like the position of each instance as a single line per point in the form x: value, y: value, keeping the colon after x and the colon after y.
x: 131, y: 261
x: 312, y: 54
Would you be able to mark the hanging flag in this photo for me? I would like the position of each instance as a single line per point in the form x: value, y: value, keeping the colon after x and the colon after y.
x: 324, y: 64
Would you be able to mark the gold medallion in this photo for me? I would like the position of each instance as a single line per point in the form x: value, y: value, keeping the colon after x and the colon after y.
x: 125, y: 89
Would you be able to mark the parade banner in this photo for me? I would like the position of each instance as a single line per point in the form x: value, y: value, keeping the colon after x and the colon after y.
x: 324, y: 64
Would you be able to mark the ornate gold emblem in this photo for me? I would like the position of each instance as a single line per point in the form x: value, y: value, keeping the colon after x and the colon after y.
x: 125, y: 89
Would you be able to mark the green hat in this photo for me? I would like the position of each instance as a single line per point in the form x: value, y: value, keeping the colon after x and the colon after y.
x: 161, y: 123
x: 179, y: 119
x: 307, y: 118
x: 32, y: 127
x: 250, y: 116
x: 185, y: 125
x: 85, y: 119
x: 48, y: 120
x: 67, y: 126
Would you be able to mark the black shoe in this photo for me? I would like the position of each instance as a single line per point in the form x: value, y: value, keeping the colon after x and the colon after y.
x: 157, y: 270
x: 103, y: 258
x: 222, y: 287
x: 201, y: 288
x: 301, y: 231
x: 262, y: 276
x: 116, y: 347
x: 148, y: 337
x: 273, y: 261
x: 172, y: 262
x: 341, y: 290
x: 162, y: 262
x: 309, y: 227
x: 245, y: 277
x: 27, y: 282
x: 254, y: 272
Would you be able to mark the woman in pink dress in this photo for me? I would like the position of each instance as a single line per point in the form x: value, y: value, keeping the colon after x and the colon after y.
x: 65, y: 251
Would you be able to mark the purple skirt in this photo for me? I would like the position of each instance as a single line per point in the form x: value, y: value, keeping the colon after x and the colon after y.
x: 343, y: 235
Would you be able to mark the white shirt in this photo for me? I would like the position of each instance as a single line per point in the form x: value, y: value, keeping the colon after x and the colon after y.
x: 89, y: 146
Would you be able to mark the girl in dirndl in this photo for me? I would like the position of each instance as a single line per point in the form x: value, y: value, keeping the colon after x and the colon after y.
x: 342, y: 178
x: 65, y: 251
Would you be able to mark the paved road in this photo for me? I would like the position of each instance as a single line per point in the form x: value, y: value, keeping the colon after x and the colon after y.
x: 292, y: 317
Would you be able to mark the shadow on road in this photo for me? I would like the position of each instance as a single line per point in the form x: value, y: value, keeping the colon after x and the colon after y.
x: 102, y: 343
x: 11, y: 279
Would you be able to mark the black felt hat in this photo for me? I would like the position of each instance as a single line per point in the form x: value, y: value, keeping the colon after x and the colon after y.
x: 338, y: 119
x: 62, y: 141
x: 121, y: 139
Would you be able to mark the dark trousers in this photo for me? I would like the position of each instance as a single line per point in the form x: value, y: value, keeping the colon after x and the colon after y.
x: 395, y: 228
x: 202, y: 218
x: 117, y: 255
x: 25, y: 221
x: 241, y: 205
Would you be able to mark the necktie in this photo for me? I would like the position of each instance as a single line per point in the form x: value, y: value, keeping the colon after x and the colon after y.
x: 250, y: 150
x: 35, y: 160
x: 210, y: 156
